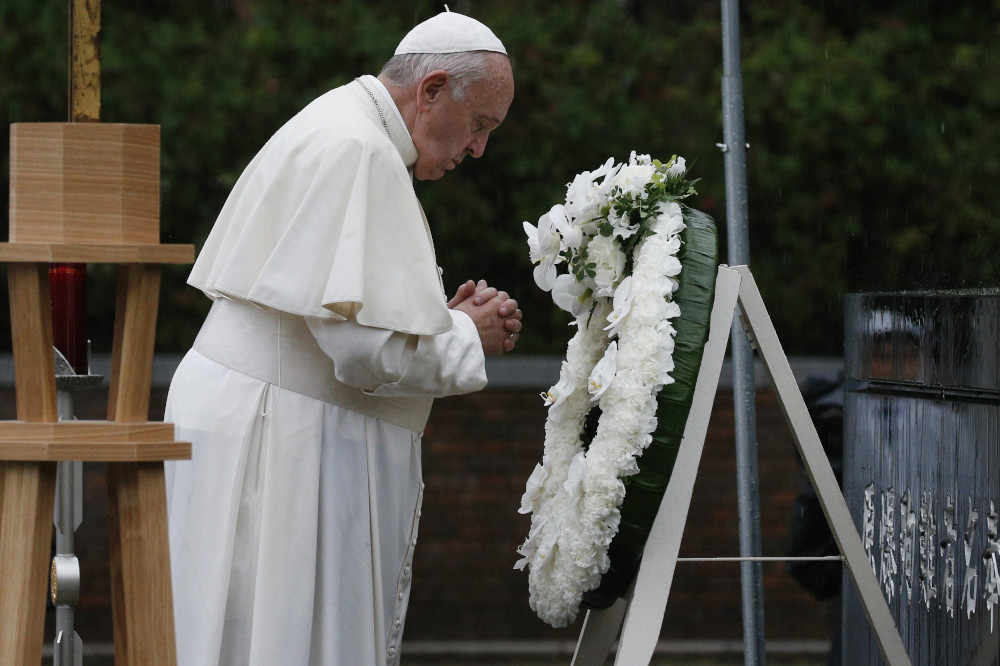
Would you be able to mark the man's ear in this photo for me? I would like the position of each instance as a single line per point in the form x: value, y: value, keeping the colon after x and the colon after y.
x: 431, y: 87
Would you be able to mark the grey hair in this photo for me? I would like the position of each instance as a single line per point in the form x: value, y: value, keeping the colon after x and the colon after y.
x: 464, y: 68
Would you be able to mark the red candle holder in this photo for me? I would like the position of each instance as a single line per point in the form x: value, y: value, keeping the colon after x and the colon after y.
x: 67, y: 283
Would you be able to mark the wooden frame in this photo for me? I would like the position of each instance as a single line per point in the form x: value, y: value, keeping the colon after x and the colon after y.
x: 639, y: 614
x: 30, y: 447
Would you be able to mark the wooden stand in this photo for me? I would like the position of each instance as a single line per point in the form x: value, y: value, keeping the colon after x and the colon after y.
x: 639, y: 614
x: 66, y: 178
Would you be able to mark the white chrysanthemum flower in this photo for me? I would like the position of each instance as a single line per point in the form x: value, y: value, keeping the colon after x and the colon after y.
x: 632, y: 178
x: 610, y: 263
x: 670, y: 218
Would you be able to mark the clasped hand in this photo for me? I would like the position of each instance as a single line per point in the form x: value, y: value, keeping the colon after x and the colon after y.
x: 495, y: 314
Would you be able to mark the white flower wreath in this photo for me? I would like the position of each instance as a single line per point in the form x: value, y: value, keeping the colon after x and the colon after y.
x: 618, y: 234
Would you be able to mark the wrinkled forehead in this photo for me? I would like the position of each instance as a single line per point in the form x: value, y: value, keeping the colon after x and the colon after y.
x: 493, y: 94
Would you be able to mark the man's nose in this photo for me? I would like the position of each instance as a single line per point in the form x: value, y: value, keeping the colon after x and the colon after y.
x: 478, y: 146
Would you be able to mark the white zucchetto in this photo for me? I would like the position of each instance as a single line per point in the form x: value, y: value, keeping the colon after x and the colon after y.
x: 449, y: 32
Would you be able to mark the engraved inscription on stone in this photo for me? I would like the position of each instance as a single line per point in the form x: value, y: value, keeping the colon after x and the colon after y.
x: 992, y: 587
x: 948, y: 553
x: 887, y: 539
x: 910, y: 561
x: 928, y: 529
x: 971, y: 573
x: 907, y: 528
x: 869, y: 525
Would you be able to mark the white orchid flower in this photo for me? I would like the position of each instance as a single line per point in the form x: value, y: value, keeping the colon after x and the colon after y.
x: 604, y: 169
x: 677, y: 167
x: 575, y: 476
x: 621, y: 305
x: 580, y: 199
x: 533, y: 489
x: 571, y: 235
x: 544, y: 246
x: 589, y: 192
x: 622, y: 226
x: 586, y: 181
x: 570, y: 295
x: 557, y: 394
x: 529, y: 549
x: 610, y: 171
x: 540, y: 542
x: 603, y: 373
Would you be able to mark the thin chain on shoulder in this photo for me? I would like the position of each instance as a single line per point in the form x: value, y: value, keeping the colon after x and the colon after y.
x: 377, y: 107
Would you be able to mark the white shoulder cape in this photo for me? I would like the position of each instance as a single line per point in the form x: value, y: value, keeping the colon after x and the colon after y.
x: 324, y: 222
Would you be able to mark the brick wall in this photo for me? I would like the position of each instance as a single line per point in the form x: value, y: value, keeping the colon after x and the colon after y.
x: 478, y: 452
x: 465, y: 587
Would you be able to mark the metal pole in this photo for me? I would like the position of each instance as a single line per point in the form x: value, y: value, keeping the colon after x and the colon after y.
x: 67, y: 647
x: 734, y: 148
x: 84, y: 106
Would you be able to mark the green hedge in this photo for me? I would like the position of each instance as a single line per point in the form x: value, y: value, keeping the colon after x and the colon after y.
x: 872, y: 128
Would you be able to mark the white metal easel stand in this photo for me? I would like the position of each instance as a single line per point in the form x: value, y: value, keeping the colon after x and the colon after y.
x: 639, y: 614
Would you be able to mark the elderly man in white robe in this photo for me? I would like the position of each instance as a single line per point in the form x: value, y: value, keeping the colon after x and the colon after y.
x: 292, y: 528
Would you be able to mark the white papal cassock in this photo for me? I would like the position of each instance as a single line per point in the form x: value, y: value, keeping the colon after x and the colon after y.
x: 293, y: 526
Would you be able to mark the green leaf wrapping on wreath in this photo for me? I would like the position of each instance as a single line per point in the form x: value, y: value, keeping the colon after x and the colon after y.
x: 644, y: 491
